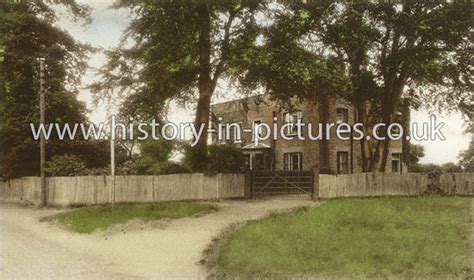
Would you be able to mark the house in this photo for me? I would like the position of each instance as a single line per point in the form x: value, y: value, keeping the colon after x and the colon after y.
x: 334, y: 155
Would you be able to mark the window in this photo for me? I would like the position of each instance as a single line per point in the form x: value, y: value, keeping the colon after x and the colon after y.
x: 260, y: 129
x: 342, y: 115
x: 293, y: 161
x: 342, y: 162
x: 396, y: 163
x: 395, y: 131
x: 292, y: 119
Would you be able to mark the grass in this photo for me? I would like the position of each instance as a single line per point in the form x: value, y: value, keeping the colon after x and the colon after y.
x: 86, y: 220
x: 376, y: 237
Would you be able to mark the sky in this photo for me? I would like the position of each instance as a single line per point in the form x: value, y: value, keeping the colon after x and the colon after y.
x: 106, y: 30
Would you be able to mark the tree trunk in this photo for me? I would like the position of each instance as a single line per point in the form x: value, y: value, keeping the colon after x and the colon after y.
x: 365, y: 154
x: 390, y: 104
x: 387, y: 120
x: 324, y: 145
x: 405, y: 122
x: 205, y: 80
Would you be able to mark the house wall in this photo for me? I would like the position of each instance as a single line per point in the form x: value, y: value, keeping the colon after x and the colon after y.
x: 262, y: 108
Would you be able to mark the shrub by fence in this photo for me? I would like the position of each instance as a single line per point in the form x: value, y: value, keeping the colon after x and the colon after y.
x: 92, y: 190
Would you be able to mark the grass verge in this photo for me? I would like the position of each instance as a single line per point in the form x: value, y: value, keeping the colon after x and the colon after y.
x: 375, y: 237
x: 86, y: 220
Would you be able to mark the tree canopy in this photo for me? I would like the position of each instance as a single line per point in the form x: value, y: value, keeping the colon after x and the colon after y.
x: 27, y: 32
x: 178, y: 50
x: 386, y: 52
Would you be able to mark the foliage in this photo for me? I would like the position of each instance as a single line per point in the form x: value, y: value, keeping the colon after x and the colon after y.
x: 87, y: 220
x: 425, y: 168
x: 415, y: 153
x: 421, y: 237
x: 196, y: 158
x: 450, y: 167
x: 171, y: 168
x: 65, y: 165
x: 180, y: 49
x: 380, y: 48
x: 154, y: 156
x: 430, y: 168
x: 214, y: 159
x: 467, y: 158
x: 225, y: 159
x: 27, y: 32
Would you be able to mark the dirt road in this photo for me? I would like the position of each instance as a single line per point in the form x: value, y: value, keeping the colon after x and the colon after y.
x: 42, y: 250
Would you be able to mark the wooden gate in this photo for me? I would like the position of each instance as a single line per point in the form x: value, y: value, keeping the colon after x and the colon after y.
x: 266, y: 182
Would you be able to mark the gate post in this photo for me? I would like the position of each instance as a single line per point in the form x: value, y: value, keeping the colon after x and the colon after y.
x: 315, y: 182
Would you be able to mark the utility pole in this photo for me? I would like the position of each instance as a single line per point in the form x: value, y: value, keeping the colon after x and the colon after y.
x: 112, y: 166
x: 44, y: 194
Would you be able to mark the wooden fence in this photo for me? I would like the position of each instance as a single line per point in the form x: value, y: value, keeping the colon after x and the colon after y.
x: 92, y: 190
x: 383, y: 184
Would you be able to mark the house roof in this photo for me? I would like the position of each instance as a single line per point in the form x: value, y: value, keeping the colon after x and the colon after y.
x: 252, y: 146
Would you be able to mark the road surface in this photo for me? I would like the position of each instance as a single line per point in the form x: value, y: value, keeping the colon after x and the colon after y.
x: 43, y: 250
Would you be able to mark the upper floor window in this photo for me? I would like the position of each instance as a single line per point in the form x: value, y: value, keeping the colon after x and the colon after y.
x: 395, y: 131
x: 292, y: 118
x: 342, y: 115
x: 260, y: 128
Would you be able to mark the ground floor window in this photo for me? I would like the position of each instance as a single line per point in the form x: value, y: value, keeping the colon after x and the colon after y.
x: 342, y: 162
x: 293, y: 161
x: 396, y: 163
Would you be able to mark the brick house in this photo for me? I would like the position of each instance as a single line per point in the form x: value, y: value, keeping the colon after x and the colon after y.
x: 334, y: 155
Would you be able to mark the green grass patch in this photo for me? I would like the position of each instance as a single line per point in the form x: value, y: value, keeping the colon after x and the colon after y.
x: 86, y: 220
x: 373, y: 237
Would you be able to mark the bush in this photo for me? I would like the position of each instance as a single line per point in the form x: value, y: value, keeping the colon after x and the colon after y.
x: 65, y: 165
x: 214, y: 159
x: 153, y: 159
x: 169, y: 168
x: 195, y: 158
x: 225, y: 159
x: 143, y: 166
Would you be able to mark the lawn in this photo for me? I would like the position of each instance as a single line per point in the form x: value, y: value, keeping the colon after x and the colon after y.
x: 86, y: 220
x: 374, y: 237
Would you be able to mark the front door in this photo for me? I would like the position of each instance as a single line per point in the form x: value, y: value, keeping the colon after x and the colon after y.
x: 259, y: 162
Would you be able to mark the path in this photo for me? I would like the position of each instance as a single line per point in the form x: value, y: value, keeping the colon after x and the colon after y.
x: 40, y: 250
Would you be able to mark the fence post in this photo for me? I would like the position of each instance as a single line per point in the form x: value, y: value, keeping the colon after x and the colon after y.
x: 316, y: 182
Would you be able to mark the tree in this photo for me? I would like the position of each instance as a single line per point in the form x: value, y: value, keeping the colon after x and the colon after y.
x: 27, y: 33
x: 415, y: 153
x: 153, y: 156
x: 411, y: 49
x: 180, y: 49
x: 451, y: 167
x: 466, y: 160
x: 424, y: 46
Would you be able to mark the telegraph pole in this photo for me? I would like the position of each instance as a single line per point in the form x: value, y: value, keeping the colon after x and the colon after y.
x: 112, y: 166
x: 42, y: 137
